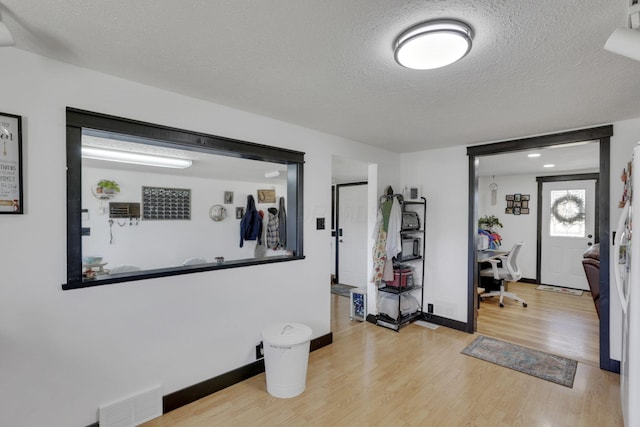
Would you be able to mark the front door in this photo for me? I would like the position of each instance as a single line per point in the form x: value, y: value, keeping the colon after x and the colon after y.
x: 568, y: 220
x: 352, y: 234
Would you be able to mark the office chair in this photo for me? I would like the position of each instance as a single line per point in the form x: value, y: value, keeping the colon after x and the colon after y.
x: 509, y: 271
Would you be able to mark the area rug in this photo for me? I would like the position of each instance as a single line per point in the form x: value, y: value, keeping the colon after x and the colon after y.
x: 342, y: 290
x: 557, y: 369
x: 558, y: 289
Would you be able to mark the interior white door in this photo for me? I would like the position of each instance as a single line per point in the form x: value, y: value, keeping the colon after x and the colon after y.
x: 568, y: 221
x: 352, y: 235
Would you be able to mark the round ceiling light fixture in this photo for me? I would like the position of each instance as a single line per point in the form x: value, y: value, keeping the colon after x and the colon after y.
x: 433, y: 44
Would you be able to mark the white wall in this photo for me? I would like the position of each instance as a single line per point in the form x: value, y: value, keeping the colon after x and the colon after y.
x: 443, y: 175
x: 517, y: 228
x: 158, y: 244
x: 63, y: 353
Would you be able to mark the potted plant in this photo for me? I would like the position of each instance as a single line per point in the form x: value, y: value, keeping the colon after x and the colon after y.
x: 489, y: 223
x: 107, y: 186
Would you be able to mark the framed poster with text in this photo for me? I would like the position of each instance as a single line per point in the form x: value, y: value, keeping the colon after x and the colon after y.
x: 10, y: 164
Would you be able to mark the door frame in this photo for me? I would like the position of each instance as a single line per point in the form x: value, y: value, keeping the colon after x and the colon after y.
x: 561, y: 178
x: 335, y: 212
x: 601, y: 133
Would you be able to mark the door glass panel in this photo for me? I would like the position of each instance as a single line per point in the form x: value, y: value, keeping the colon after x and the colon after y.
x: 567, y: 217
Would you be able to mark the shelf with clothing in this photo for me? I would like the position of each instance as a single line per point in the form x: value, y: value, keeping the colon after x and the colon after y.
x: 401, y: 280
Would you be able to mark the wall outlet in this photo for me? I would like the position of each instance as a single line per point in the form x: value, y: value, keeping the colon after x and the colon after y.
x: 429, y: 308
x: 259, y: 351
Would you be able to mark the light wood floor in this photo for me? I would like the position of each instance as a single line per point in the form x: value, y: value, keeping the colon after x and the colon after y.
x: 565, y: 325
x: 374, y: 376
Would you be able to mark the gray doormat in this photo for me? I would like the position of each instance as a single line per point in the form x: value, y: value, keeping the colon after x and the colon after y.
x: 342, y: 290
x: 560, y: 290
x: 550, y: 367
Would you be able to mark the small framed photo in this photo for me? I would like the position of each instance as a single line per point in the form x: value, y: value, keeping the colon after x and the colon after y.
x: 526, y: 197
x: 516, y: 211
x: 239, y: 212
x: 517, y: 197
x: 508, y: 211
x: 525, y: 204
x: 524, y: 211
x: 228, y: 197
x: 509, y: 197
x: 509, y: 203
x: 517, y: 204
x: 266, y: 196
x: 10, y: 164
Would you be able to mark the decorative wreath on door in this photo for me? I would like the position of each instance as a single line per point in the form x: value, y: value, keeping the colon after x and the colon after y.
x: 568, y: 209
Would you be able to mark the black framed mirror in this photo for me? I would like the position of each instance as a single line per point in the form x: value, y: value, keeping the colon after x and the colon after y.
x: 131, y: 220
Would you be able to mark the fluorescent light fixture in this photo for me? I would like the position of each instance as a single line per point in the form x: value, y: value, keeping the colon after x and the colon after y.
x: 433, y: 44
x: 625, y: 42
x: 5, y: 36
x: 549, y: 166
x: 532, y: 155
x: 272, y: 174
x: 134, y: 158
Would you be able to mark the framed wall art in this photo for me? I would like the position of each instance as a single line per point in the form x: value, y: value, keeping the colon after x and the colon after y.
x: 228, y: 197
x: 10, y: 164
x: 266, y: 196
x: 517, y: 204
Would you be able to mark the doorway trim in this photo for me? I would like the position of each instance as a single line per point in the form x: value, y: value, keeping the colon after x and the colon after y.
x: 601, y: 133
x: 336, y: 211
x: 560, y: 178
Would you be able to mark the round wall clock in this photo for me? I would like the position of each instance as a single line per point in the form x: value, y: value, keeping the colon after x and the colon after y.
x: 217, y: 212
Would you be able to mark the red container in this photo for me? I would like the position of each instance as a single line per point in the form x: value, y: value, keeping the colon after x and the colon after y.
x: 402, y: 278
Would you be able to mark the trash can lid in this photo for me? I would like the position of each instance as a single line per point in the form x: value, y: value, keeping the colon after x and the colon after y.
x: 286, y: 333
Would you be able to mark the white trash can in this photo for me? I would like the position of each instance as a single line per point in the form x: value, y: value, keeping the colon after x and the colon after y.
x: 286, y: 356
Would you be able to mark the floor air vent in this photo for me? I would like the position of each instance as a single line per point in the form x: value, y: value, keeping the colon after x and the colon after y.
x: 133, y: 410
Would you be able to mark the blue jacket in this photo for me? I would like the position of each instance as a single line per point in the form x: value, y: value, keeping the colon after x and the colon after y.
x: 251, y: 223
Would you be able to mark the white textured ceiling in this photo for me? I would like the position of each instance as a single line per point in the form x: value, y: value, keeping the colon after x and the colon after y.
x: 536, y: 66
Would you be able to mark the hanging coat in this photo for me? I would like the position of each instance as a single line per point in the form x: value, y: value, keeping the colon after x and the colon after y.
x: 251, y: 223
x: 282, y: 224
x: 273, y: 229
x: 261, y: 250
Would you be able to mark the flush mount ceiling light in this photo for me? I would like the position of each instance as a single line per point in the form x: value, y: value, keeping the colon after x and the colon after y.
x: 272, y: 174
x: 433, y: 44
x: 533, y: 155
x: 134, y: 158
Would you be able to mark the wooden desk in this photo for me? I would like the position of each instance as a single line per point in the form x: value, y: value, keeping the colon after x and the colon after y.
x: 486, y: 255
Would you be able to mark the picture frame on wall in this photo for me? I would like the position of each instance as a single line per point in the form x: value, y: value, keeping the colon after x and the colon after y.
x: 239, y: 212
x: 228, y: 197
x: 11, y: 192
x: 524, y: 211
x: 509, y: 197
x: 516, y: 211
x: 266, y: 196
x: 516, y: 197
x: 525, y: 204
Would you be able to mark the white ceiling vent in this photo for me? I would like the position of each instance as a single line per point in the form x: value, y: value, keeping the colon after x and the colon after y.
x: 133, y: 410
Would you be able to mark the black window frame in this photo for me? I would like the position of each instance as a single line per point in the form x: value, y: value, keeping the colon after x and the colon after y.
x: 78, y: 119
